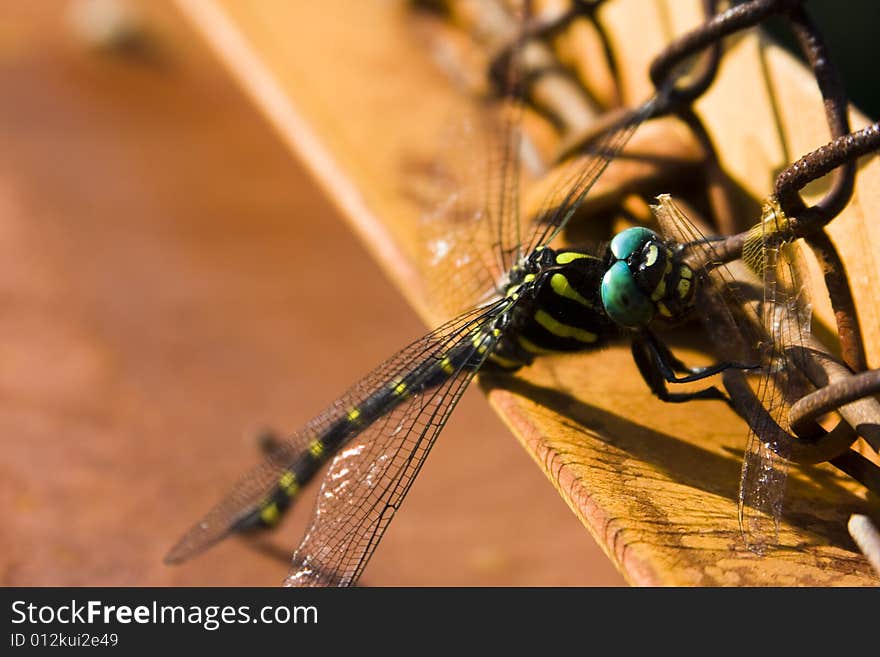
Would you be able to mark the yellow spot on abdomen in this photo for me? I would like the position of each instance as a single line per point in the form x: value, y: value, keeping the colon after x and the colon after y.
x: 481, y: 339
x: 270, y: 514
x: 288, y: 484
x: 316, y: 448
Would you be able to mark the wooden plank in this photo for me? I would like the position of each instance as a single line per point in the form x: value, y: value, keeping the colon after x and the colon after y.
x: 162, y: 304
x: 349, y: 87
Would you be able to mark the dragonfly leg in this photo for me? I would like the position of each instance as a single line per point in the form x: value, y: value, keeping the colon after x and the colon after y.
x: 658, y: 365
x: 669, y: 363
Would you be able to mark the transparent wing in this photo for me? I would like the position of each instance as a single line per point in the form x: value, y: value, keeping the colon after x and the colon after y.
x: 366, y: 485
x: 772, y: 252
x: 468, y: 186
x: 570, y: 182
x: 463, y: 190
x: 248, y: 494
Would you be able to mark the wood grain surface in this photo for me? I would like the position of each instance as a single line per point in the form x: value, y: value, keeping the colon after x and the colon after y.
x: 172, y: 283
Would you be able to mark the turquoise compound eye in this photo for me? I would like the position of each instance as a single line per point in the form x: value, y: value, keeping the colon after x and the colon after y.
x: 623, y: 300
x: 628, y: 241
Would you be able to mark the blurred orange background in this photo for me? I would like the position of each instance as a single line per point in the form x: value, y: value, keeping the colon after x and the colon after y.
x: 172, y: 283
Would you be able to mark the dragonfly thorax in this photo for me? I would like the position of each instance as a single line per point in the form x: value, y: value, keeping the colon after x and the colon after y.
x: 556, y: 306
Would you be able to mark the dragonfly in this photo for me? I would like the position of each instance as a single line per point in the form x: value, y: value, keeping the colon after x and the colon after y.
x: 543, y: 300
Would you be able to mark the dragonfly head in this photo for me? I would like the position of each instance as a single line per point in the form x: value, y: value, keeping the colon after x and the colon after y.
x: 645, y: 279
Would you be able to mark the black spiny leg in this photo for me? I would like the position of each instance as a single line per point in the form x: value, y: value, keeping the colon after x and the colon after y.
x: 657, y: 365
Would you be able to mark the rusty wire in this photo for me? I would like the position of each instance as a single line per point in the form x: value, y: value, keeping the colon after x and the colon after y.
x: 844, y: 386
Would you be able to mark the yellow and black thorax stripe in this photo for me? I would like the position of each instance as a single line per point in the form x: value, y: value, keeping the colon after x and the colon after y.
x: 563, y: 311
